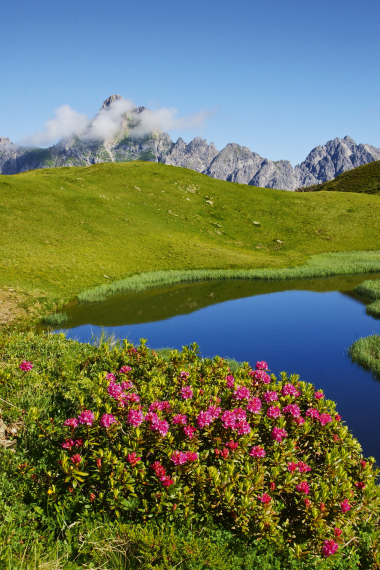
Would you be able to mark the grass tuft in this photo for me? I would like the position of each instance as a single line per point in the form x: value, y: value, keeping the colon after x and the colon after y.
x: 366, y: 353
x: 55, y: 319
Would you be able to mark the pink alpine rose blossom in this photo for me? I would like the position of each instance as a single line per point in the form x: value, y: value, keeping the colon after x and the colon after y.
x: 125, y: 369
x: 179, y: 457
x: 68, y: 444
x: 270, y: 397
x: 325, y: 419
x: 135, y: 417
x: 257, y: 451
x: 290, y: 390
x: 278, y: 434
x: 25, y: 366
x: 273, y: 412
x: 312, y: 413
x: 230, y: 381
x: 189, y: 431
x: 214, y: 411
x: 345, y: 506
x: 319, y: 395
x: 254, y: 405
x: 204, y: 419
x: 86, y: 418
x: 260, y: 376
x: 132, y: 397
x: 161, y: 426
x: 116, y: 391
x: 192, y: 456
x: 303, y: 487
x: 158, y: 469
x: 187, y: 392
x: 179, y: 419
x: 242, y: 393
x: 329, y: 548
x: 265, y: 498
x: 239, y: 414
x: 71, y: 422
x: 338, y: 418
x: 133, y: 459
x: 166, y: 481
x: 337, y: 532
x: 228, y: 419
x: 261, y: 365
x: 126, y: 385
x: 151, y: 417
x: 111, y: 377
x: 107, y: 420
x: 360, y: 485
x: 78, y: 442
x: 232, y: 445
x: 184, y: 375
x: 292, y: 410
x: 303, y: 467
x: 76, y: 459
x: 300, y: 421
x: 242, y: 427
x: 292, y: 467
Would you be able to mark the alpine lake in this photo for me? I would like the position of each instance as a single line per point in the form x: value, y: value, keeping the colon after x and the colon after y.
x: 301, y: 326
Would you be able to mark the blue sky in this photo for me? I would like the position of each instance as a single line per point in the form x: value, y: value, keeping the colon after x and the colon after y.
x: 281, y: 77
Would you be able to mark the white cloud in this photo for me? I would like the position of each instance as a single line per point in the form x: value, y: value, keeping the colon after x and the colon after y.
x: 108, y: 122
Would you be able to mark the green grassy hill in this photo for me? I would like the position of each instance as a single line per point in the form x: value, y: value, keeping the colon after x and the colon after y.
x: 363, y: 179
x: 68, y: 229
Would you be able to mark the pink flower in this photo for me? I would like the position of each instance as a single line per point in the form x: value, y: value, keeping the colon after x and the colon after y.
x: 232, y: 445
x: 192, y: 456
x: 158, y: 469
x: 160, y: 406
x: 278, y: 433
x: 228, y: 419
x: 76, y: 459
x: 166, y: 481
x: 184, y: 375
x: 135, y: 417
x: 360, y: 485
x: 25, y: 366
x: 179, y: 419
x: 292, y: 410
x: 300, y: 421
x: 257, y: 451
x: 161, y: 426
x: 179, y: 457
x: 115, y: 391
x: 111, y: 377
x: 329, y: 548
x: 254, y: 405
x: 78, y: 442
x: 133, y: 459
x: 230, y: 381
x: 71, y: 422
x: 318, y: 395
x: 273, y: 412
x: 303, y: 487
x: 189, y: 431
x: 270, y: 397
x: 363, y: 464
x: 242, y: 427
x: 126, y: 385
x: 107, y: 420
x: 204, y: 419
x: 242, y: 393
x: 338, y: 418
x: 125, y: 369
x: 133, y: 397
x: 290, y: 390
x: 265, y: 498
x: 239, y: 414
x: 260, y: 376
x: 303, y: 467
x: 151, y: 417
x: 214, y: 411
x: 325, y: 419
x: 312, y: 413
x: 187, y: 392
x: 337, y: 532
x: 345, y: 506
x: 68, y: 444
x: 86, y: 418
x: 292, y: 467
x: 261, y: 365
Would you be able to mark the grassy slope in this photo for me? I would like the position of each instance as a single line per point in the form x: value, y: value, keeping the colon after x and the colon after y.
x: 363, y: 179
x: 65, y: 228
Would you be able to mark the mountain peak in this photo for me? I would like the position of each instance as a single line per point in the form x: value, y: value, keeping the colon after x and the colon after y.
x: 110, y: 100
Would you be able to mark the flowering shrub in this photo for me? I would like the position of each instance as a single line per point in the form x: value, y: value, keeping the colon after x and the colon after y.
x: 186, y: 439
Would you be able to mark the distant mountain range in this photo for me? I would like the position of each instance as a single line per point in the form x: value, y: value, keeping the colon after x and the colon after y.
x: 234, y: 163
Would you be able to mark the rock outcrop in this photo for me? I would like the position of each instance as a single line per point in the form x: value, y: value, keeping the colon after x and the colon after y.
x: 234, y: 163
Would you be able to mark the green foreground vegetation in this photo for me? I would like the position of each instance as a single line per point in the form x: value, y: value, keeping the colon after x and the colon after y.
x: 364, y: 179
x: 67, y: 230
x: 56, y: 515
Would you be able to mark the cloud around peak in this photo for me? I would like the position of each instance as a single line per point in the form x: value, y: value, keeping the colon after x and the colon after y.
x: 109, y: 121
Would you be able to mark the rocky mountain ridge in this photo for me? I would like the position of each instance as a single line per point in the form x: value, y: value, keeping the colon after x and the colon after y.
x: 234, y: 163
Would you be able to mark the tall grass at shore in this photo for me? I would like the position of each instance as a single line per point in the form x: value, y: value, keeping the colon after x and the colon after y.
x: 369, y: 289
x: 366, y: 352
x: 324, y: 265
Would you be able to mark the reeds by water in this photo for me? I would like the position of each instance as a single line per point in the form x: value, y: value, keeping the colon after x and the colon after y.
x: 324, y: 265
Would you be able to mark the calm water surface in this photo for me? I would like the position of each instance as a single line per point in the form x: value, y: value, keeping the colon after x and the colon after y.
x: 302, y: 327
